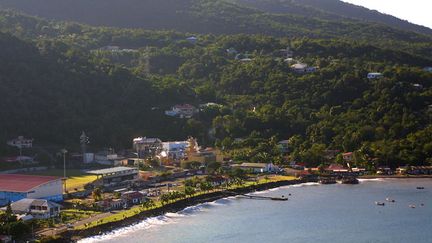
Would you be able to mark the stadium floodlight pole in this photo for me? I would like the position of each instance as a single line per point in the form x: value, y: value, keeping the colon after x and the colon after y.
x: 64, y: 151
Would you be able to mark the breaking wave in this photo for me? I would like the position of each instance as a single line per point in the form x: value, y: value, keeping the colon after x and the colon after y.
x: 152, y: 222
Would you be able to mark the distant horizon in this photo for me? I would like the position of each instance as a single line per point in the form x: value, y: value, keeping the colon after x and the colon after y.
x: 414, y: 11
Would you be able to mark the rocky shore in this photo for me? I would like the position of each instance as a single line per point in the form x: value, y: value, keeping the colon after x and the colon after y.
x: 75, y: 235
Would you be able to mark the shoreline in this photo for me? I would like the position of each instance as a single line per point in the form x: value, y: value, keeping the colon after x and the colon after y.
x: 75, y: 235
x: 395, y: 177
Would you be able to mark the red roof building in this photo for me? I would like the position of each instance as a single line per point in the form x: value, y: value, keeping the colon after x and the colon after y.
x: 24, y: 183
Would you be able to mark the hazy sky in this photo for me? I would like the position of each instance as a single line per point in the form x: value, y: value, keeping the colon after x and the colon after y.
x: 415, y: 11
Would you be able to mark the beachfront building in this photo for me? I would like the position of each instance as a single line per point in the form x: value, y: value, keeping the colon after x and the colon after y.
x: 257, y: 167
x: 115, y: 176
x: 14, y: 187
x: 37, y: 208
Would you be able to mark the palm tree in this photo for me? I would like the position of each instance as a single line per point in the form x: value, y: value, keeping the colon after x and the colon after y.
x: 97, y: 194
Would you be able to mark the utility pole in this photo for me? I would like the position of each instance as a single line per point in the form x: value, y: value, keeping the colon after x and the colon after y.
x: 64, y: 151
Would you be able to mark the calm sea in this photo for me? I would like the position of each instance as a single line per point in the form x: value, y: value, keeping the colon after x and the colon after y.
x: 314, y: 213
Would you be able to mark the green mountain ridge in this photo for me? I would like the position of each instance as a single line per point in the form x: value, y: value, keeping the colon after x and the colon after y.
x: 56, y: 80
x: 332, y: 10
x: 220, y: 17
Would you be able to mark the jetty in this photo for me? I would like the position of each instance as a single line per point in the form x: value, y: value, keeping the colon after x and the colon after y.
x: 256, y: 197
x: 283, y: 198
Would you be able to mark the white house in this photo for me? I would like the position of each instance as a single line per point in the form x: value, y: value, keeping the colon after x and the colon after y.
x: 182, y: 111
x: 21, y: 142
x: 192, y: 39
x: 302, y: 68
x: 428, y: 69
x: 38, y: 208
x: 374, y: 75
x: 174, y: 150
x: 257, y: 167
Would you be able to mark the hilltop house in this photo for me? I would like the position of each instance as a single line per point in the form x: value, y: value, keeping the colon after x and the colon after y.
x: 302, y: 68
x: 348, y: 157
x: 428, y: 69
x: 284, y: 146
x: 192, y: 39
x: 182, y: 111
x: 21, y: 142
x: 374, y: 75
x: 37, y: 208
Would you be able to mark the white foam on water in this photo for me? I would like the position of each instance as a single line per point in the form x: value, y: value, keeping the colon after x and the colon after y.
x: 306, y: 184
x: 145, y: 224
x: 148, y: 223
x: 371, y: 180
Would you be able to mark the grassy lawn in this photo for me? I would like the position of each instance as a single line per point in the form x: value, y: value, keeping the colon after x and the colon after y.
x: 76, y: 178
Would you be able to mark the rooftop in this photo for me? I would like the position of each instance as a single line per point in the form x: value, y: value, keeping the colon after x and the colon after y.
x: 23, y: 205
x: 23, y: 183
x: 110, y: 170
x: 254, y: 165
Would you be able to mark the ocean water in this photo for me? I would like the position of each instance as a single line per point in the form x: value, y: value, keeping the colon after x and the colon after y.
x: 313, y: 213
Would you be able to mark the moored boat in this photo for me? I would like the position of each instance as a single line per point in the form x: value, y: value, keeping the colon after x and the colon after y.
x: 380, y: 203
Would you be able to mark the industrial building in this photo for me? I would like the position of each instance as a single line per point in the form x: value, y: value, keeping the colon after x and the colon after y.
x: 14, y: 187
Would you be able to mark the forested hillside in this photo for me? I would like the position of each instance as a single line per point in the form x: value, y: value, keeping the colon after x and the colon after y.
x: 331, y: 10
x: 57, y: 79
x: 222, y: 17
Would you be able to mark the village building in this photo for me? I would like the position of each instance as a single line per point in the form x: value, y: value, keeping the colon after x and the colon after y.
x: 14, y: 187
x: 111, y: 204
x: 336, y: 168
x: 231, y: 51
x: 428, y: 69
x: 414, y: 170
x: 284, y: 146
x: 133, y: 198
x: 107, y: 157
x: 115, y: 176
x: 348, y: 157
x: 257, y: 167
x: 175, y: 150
x: 303, y: 68
x: 331, y: 153
x: 182, y: 111
x: 21, y: 142
x: 147, y: 147
x: 24, y: 160
x: 205, y: 156
x: 37, y: 208
x: 192, y: 39
x: 384, y: 171
x: 374, y: 75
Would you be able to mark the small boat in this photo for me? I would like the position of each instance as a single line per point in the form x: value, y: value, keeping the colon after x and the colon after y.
x: 420, y: 188
x: 380, y: 203
x: 390, y: 200
x: 412, y: 206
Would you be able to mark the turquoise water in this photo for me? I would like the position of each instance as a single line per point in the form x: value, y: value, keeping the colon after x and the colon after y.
x: 314, y: 213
